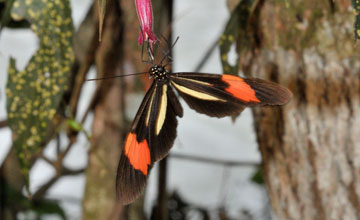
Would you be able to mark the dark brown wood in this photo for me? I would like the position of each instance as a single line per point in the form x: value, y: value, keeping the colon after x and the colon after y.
x: 3, y: 124
x: 161, y: 211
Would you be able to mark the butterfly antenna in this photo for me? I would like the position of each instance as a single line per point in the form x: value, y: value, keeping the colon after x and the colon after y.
x: 168, y: 63
x: 111, y: 77
x: 167, y: 53
x: 167, y: 43
x: 173, y: 45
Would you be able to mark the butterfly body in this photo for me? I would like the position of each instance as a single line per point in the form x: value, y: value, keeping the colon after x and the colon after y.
x: 153, y: 130
x: 159, y: 73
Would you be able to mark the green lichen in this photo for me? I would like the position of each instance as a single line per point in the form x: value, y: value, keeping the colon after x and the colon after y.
x: 34, y: 94
x: 236, y: 34
x: 356, y: 5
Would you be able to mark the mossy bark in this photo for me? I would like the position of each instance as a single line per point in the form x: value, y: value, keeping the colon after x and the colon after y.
x: 311, y: 146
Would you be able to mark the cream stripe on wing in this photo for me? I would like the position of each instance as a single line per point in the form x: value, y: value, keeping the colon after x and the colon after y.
x: 162, y: 110
x: 197, y: 94
x: 150, y: 107
x: 195, y: 81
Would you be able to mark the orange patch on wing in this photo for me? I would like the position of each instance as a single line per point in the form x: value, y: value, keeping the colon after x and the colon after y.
x: 137, y: 153
x: 239, y: 88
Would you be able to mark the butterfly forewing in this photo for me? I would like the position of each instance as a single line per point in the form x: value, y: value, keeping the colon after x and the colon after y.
x: 223, y: 95
x: 151, y: 136
x: 135, y: 158
x: 269, y: 93
x: 163, y: 122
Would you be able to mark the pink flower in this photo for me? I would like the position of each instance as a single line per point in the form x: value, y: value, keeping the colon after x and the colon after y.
x: 144, y: 12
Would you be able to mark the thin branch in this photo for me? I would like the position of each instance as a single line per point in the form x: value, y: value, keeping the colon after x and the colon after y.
x: 4, y: 124
x: 69, y: 172
x: 91, y: 105
x: 64, y: 172
x: 62, y: 155
x: 58, y: 144
x: 162, y: 198
x: 207, y: 55
x: 60, y: 171
x: 81, y: 74
x: 50, y: 162
x: 44, y: 188
x: 213, y: 161
x: 62, y: 198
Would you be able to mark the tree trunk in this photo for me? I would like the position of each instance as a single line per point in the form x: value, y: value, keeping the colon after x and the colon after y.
x: 311, y: 146
x: 10, y: 176
x: 108, y: 126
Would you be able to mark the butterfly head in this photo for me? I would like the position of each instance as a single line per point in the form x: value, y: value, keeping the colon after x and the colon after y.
x: 158, y: 72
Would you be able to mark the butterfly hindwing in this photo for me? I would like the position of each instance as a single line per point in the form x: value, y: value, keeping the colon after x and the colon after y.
x: 222, y: 95
x: 163, y: 122
x: 151, y: 136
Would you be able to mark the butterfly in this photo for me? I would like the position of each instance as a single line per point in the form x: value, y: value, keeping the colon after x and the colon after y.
x: 153, y: 130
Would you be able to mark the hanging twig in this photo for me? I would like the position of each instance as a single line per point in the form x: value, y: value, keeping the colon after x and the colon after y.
x: 63, y: 172
x: 162, y: 200
x: 81, y: 74
x: 161, y: 212
x: 213, y: 161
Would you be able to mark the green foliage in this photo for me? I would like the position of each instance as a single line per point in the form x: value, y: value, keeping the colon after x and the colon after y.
x: 5, y: 18
x: 102, y: 10
x: 356, y: 5
x: 76, y: 126
x: 5, y: 14
x: 257, y: 177
x: 34, y: 94
x: 46, y: 207
x: 236, y: 32
x: 16, y: 200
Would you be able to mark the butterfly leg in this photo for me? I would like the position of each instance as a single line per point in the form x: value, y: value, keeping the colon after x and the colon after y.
x: 167, y: 54
x: 149, y: 51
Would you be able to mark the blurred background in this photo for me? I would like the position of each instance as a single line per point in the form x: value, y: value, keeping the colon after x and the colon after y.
x: 209, y: 185
x: 305, y: 152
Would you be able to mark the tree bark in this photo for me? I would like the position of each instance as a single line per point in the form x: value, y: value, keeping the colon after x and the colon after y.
x: 108, y: 125
x: 311, y: 146
x: 10, y: 175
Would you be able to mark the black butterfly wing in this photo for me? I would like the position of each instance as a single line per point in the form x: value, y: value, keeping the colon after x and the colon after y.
x: 163, y: 122
x: 151, y: 136
x: 222, y: 95
x: 153, y: 131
